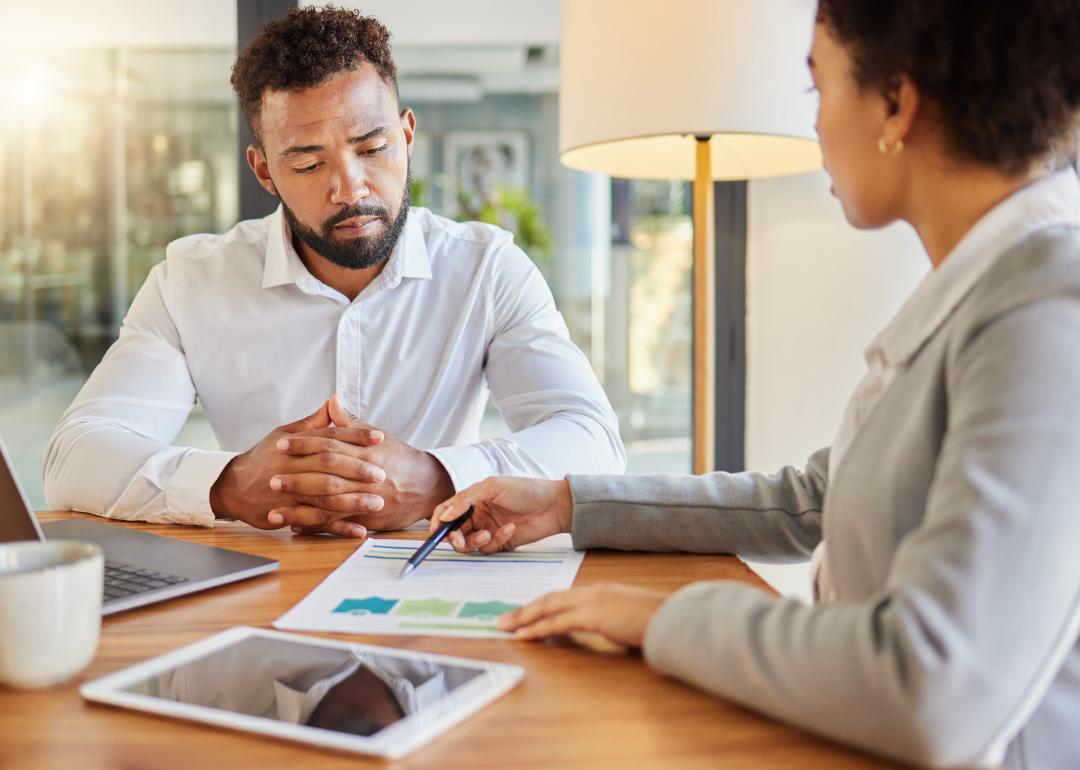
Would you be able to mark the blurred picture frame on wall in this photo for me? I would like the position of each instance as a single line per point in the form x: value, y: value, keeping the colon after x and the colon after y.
x: 480, y: 163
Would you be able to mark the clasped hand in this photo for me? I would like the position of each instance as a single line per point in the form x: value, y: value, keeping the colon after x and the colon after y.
x: 330, y: 473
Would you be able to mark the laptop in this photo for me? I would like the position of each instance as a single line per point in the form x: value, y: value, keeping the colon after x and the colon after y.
x: 140, y: 568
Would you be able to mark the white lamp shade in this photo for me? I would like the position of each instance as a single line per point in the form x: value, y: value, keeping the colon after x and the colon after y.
x: 640, y: 79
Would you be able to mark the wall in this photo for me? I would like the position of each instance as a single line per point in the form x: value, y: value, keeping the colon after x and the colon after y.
x: 818, y: 291
x: 67, y: 24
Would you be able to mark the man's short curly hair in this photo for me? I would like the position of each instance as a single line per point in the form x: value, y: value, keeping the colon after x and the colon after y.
x: 305, y: 48
x: 1004, y: 74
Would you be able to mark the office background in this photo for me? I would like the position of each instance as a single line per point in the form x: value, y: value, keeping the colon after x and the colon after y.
x: 119, y: 134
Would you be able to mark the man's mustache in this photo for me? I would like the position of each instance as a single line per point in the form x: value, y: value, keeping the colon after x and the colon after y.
x: 358, y: 210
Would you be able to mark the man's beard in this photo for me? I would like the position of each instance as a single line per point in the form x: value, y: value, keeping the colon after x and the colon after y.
x: 354, y: 253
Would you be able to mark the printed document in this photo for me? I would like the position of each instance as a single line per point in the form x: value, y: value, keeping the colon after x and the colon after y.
x: 449, y: 594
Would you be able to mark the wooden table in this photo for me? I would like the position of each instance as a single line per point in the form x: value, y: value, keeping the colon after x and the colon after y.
x: 574, y: 709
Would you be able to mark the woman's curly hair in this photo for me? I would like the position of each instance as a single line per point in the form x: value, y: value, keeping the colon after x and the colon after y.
x: 303, y: 49
x: 1004, y: 74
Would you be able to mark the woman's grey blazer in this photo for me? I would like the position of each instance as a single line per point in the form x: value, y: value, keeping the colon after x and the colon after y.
x: 953, y: 530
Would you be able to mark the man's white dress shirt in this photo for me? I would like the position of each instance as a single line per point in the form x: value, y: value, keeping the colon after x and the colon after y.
x: 1053, y: 200
x: 237, y: 321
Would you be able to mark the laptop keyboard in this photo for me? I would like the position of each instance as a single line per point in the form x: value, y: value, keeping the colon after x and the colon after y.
x: 122, y: 580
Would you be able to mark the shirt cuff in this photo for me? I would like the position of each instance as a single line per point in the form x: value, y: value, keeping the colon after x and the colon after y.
x: 187, y: 492
x: 466, y: 465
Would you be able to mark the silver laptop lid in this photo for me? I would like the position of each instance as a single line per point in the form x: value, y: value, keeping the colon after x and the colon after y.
x: 17, y: 520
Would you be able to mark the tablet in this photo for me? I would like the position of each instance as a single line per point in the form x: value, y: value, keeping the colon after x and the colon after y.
x: 355, y: 697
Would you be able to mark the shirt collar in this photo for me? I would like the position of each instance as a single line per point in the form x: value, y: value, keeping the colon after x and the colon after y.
x: 410, y: 258
x: 1052, y: 200
x: 278, y: 269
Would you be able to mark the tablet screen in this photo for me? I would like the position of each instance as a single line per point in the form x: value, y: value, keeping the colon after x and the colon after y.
x: 343, y: 689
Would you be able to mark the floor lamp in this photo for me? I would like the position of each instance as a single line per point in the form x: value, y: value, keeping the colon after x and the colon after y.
x: 702, y: 90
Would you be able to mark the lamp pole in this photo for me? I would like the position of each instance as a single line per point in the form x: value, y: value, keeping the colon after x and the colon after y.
x: 704, y: 356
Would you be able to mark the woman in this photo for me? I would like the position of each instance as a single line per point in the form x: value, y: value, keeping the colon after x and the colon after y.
x: 946, y: 517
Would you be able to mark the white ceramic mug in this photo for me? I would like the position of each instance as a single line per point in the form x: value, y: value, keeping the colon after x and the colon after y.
x: 50, y: 610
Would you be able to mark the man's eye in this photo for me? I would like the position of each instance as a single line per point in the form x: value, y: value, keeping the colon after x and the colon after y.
x: 307, y: 169
x: 376, y: 150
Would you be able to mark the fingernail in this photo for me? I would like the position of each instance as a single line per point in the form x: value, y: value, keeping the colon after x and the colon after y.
x: 380, y: 475
x: 275, y: 483
x: 283, y: 444
x: 447, y: 515
x: 275, y: 518
x: 376, y: 435
x: 483, y: 537
x: 359, y: 532
x: 297, y: 530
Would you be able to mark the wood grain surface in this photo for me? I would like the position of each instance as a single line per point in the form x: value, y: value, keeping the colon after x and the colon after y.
x: 574, y: 709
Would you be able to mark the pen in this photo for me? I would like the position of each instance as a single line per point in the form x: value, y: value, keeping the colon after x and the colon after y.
x: 429, y: 545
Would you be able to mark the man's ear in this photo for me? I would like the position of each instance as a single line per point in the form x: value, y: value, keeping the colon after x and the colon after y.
x: 257, y: 161
x: 408, y: 125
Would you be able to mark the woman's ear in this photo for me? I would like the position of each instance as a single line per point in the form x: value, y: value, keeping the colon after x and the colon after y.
x: 902, y: 104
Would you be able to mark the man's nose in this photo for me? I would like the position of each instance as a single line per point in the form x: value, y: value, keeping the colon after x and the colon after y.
x: 349, y: 184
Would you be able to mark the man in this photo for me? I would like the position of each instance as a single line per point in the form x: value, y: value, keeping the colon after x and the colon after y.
x: 380, y: 325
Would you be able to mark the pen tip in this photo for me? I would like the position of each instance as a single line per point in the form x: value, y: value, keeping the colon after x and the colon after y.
x: 405, y: 570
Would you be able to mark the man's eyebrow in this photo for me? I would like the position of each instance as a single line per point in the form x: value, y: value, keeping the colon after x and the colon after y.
x: 369, y: 135
x: 304, y: 149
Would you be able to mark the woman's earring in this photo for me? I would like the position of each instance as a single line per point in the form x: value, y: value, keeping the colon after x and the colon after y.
x: 884, y: 149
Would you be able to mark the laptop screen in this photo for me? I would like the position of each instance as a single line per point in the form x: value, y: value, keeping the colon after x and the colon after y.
x: 17, y: 521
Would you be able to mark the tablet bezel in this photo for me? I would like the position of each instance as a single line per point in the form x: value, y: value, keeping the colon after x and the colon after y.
x: 392, y: 742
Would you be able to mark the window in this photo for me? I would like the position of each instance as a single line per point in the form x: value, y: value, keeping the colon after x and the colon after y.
x: 111, y: 155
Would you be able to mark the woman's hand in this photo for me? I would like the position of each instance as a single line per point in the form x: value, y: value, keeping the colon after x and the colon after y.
x: 618, y: 612
x: 507, y: 512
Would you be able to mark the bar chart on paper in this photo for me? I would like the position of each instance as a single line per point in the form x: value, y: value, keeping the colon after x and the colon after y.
x: 449, y: 594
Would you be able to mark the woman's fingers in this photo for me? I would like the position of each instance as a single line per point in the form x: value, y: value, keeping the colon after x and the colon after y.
x: 455, y: 507
x: 481, y: 539
x: 476, y: 539
x: 572, y: 619
x: 499, y: 541
x: 546, y: 605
